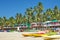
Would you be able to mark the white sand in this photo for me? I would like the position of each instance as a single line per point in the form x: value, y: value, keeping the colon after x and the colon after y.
x: 17, y: 36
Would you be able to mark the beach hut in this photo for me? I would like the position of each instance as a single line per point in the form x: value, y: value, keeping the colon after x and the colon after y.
x: 52, y: 24
x: 54, y: 20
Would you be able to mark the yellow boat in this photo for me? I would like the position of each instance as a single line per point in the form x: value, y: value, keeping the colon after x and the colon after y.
x: 39, y: 35
x: 25, y: 35
x: 44, y: 35
x: 35, y: 35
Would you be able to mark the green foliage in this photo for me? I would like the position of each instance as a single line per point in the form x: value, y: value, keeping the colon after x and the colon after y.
x: 35, y: 14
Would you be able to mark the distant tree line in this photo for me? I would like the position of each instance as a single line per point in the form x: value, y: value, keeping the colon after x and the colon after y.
x: 36, y: 14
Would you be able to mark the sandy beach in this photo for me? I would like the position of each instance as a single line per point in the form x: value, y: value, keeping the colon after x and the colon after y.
x: 17, y: 36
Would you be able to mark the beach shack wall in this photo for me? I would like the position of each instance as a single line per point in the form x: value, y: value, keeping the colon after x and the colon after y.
x: 51, y: 25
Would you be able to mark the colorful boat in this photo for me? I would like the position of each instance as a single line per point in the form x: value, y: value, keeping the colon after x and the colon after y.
x: 40, y: 35
x: 26, y: 35
x: 35, y: 35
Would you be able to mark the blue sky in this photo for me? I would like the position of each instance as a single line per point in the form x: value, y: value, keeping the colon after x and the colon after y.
x: 9, y: 8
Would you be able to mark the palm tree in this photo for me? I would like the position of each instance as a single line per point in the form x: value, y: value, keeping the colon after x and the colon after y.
x: 33, y: 18
x: 18, y: 18
x: 38, y: 9
x: 7, y: 24
x: 4, y: 20
x: 56, y: 12
x: 49, y: 14
x: 1, y: 23
x: 24, y: 20
x: 11, y: 21
x: 37, y: 17
x: 44, y: 17
x: 29, y: 14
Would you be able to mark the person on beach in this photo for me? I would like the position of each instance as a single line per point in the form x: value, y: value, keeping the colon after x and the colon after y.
x: 18, y: 29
